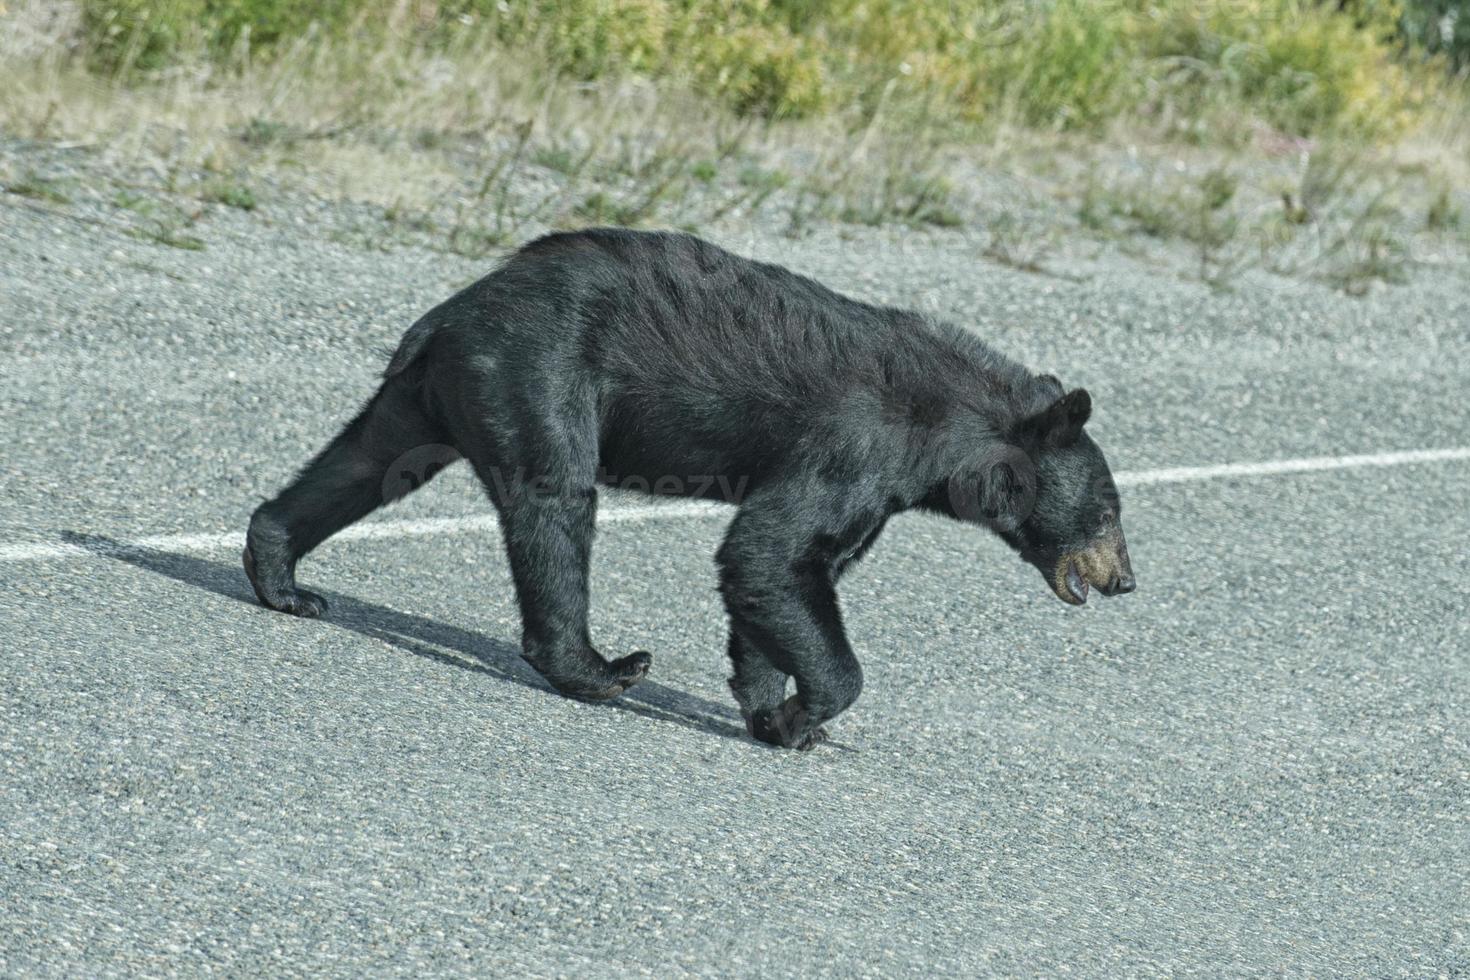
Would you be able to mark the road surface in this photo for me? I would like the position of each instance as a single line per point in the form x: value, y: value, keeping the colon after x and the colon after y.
x: 1258, y: 762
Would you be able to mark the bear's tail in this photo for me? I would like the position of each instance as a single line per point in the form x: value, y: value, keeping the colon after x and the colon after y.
x: 410, y: 347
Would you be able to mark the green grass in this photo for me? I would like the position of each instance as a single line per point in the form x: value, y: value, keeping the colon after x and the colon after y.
x: 1298, y: 65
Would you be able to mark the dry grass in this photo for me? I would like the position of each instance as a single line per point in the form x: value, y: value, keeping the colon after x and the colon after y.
x: 411, y: 127
x: 482, y: 148
x: 470, y: 147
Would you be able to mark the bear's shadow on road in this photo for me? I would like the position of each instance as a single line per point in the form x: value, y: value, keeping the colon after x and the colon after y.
x: 420, y: 636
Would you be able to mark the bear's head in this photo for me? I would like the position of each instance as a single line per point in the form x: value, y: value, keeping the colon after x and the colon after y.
x: 1046, y: 490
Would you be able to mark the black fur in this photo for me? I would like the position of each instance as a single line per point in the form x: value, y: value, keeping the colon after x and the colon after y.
x: 661, y: 362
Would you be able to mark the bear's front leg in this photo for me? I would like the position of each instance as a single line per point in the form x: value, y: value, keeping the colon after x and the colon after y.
x: 777, y: 585
x: 760, y: 688
x: 758, y: 685
x: 549, y: 540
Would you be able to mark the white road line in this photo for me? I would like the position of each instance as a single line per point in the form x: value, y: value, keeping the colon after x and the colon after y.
x: 1277, y: 467
x: 369, y: 531
x: 376, y: 530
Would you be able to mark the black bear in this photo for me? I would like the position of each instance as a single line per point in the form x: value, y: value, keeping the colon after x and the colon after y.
x: 657, y: 360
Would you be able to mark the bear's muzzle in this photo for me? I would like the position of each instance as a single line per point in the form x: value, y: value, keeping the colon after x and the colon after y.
x: 1101, y: 564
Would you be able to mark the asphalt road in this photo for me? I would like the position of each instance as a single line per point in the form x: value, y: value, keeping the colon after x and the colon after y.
x: 1259, y: 762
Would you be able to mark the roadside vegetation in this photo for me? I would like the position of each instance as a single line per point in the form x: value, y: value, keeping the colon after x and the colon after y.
x: 1321, y: 139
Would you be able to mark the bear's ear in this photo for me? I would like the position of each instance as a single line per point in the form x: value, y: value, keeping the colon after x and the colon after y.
x: 1059, y: 424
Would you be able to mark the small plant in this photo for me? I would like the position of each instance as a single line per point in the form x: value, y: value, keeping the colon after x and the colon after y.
x: 1442, y: 214
x: 1095, y: 211
x: 1151, y: 211
x: 410, y: 220
x: 1292, y: 212
x: 1324, y: 181
x: 757, y: 185
x: 761, y: 178
x: 603, y: 209
x: 1217, y: 189
x: 1355, y: 245
x: 1201, y: 212
x: 430, y: 139
x: 142, y: 266
x: 477, y: 238
x: 1011, y: 245
x: 229, y: 194
x: 914, y: 198
x: 660, y: 183
x: 475, y: 241
x: 132, y: 201
x: 929, y: 200
x: 558, y: 158
x: 812, y: 200
x: 260, y: 133
x: 170, y: 234
x: 1378, y: 256
x: 33, y: 185
x: 163, y: 224
x: 1211, y: 226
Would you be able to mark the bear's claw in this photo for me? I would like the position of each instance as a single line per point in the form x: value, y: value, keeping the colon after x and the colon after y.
x: 296, y: 602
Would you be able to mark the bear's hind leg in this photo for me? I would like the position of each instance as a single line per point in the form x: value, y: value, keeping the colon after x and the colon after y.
x: 360, y: 470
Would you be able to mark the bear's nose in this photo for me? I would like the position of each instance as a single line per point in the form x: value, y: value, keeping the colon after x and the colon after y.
x: 1122, y: 585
